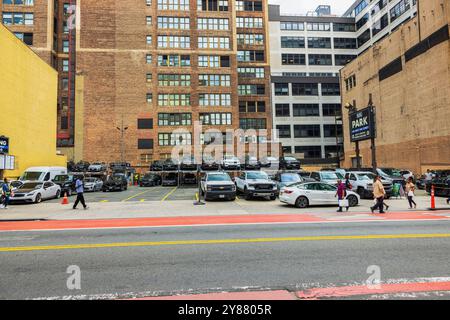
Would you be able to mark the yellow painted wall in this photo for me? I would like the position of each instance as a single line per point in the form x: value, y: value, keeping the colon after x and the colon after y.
x: 28, y: 95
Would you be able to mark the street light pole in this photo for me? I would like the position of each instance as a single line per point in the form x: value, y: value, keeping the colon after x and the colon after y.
x: 352, y: 109
x: 122, y: 130
x: 199, y: 200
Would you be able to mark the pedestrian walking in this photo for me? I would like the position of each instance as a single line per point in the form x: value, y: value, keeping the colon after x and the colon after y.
x: 80, y: 190
x: 341, y: 193
x: 5, y: 194
x: 410, y: 189
x: 379, y: 193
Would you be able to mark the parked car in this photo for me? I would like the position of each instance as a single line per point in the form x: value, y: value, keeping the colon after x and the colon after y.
x: 303, y: 195
x: 392, y: 174
x: 362, y: 184
x: 157, y: 165
x: 81, y: 166
x: 284, y: 179
x: 407, y: 174
x: 189, y: 178
x: 218, y: 185
x: 116, y: 182
x: 188, y: 164
x: 330, y: 177
x: 421, y: 182
x: 289, y: 163
x: 170, y: 179
x: 256, y: 184
x: 440, y: 183
x: 150, y: 180
x: 252, y: 163
x: 97, y: 167
x: 170, y: 165
x: 231, y: 162
x: 42, y: 173
x: 67, y: 183
x: 270, y: 162
x: 36, y: 192
x: 209, y: 163
x: 93, y: 184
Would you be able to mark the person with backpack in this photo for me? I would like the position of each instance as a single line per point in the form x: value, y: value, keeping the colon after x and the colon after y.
x: 5, y: 194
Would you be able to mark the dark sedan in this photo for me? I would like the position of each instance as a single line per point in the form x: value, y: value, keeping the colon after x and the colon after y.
x: 157, y: 166
x: 170, y: 179
x: 150, y: 180
x: 170, y: 165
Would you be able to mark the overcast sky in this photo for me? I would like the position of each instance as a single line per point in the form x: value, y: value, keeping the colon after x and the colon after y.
x: 338, y: 7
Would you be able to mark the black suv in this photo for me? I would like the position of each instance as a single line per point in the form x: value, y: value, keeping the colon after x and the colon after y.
x: 150, y: 180
x: 81, y: 166
x: 188, y: 164
x: 67, y: 183
x: 117, y: 182
x: 156, y: 166
x: 289, y: 163
x: 170, y: 165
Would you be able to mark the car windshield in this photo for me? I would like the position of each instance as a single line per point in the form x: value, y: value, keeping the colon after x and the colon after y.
x: 219, y: 177
x: 30, y: 175
x: 61, y: 178
x: 290, y: 178
x: 290, y: 159
x: 257, y: 175
x: 392, y: 172
x: 117, y: 177
x: 329, y: 176
x: 31, y: 186
x: 340, y: 175
x: 363, y: 176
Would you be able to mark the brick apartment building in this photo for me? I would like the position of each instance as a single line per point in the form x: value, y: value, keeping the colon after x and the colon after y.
x: 147, y: 68
x: 43, y: 25
x: 407, y: 74
x: 140, y: 69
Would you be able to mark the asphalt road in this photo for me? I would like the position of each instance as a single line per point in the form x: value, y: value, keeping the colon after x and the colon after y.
x: 235, y: 257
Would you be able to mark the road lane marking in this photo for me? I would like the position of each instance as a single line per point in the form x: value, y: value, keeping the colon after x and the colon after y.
x: 136, y: 195
x: 225, y: 241
x: 169, y: 194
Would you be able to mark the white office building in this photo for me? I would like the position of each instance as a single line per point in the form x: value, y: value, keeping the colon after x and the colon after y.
x: 307, y: 53
x: 375, y: 19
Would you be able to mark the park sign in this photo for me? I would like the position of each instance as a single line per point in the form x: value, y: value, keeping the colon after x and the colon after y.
x: 362, y: 125
x: 4, y: 144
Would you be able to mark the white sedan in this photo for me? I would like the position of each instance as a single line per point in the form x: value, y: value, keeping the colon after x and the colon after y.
x: 303, y: 195
x: 36, y: 192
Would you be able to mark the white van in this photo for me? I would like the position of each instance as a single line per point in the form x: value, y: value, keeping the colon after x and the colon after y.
x: 42, y: 173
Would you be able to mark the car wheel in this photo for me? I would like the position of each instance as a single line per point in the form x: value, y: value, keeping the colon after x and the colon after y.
x: 360, y: 192
x: 58, y: 194
x: 352, y: 201
x: 248, y: 195
x: 273, y: 198
x: 38, y: 198
x: 302, y: 202
x: 232, y: 198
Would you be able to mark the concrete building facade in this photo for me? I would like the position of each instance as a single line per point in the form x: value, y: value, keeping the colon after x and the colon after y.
x: 408, y: 76
x: 375, y: 19
x: 307, y: 53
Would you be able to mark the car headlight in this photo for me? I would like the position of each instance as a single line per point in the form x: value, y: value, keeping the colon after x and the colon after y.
x: 251, y: 186
x: 30, y: 194
x: 209, y: 188
x: 274, y: 186
x: 233, y: 188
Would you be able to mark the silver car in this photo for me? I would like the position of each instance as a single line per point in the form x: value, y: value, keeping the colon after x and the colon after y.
x: 93, y: 184
x: 36, y: 192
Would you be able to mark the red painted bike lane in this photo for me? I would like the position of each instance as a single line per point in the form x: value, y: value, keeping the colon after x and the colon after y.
x: 217, y: 220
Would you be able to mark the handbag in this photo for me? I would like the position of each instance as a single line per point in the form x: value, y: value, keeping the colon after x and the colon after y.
x: 343, y: 203
x: 411, y: 193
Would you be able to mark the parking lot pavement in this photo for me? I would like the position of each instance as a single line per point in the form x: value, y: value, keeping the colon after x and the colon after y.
x: 138, y: 194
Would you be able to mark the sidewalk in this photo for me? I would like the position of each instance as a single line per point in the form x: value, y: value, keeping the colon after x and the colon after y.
x: 182, y: 208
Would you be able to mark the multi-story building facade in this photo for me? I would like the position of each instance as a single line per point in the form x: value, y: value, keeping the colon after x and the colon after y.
x: 407, y: 74
x: 375, y: 19
x: 43, y: 25
x: 307, y: 53
x: 150, y: 68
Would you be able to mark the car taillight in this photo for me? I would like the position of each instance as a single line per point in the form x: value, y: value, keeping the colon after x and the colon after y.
x: 287, y: 191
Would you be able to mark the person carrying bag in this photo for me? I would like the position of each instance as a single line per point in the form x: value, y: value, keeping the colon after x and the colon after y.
x: 410, y: 188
